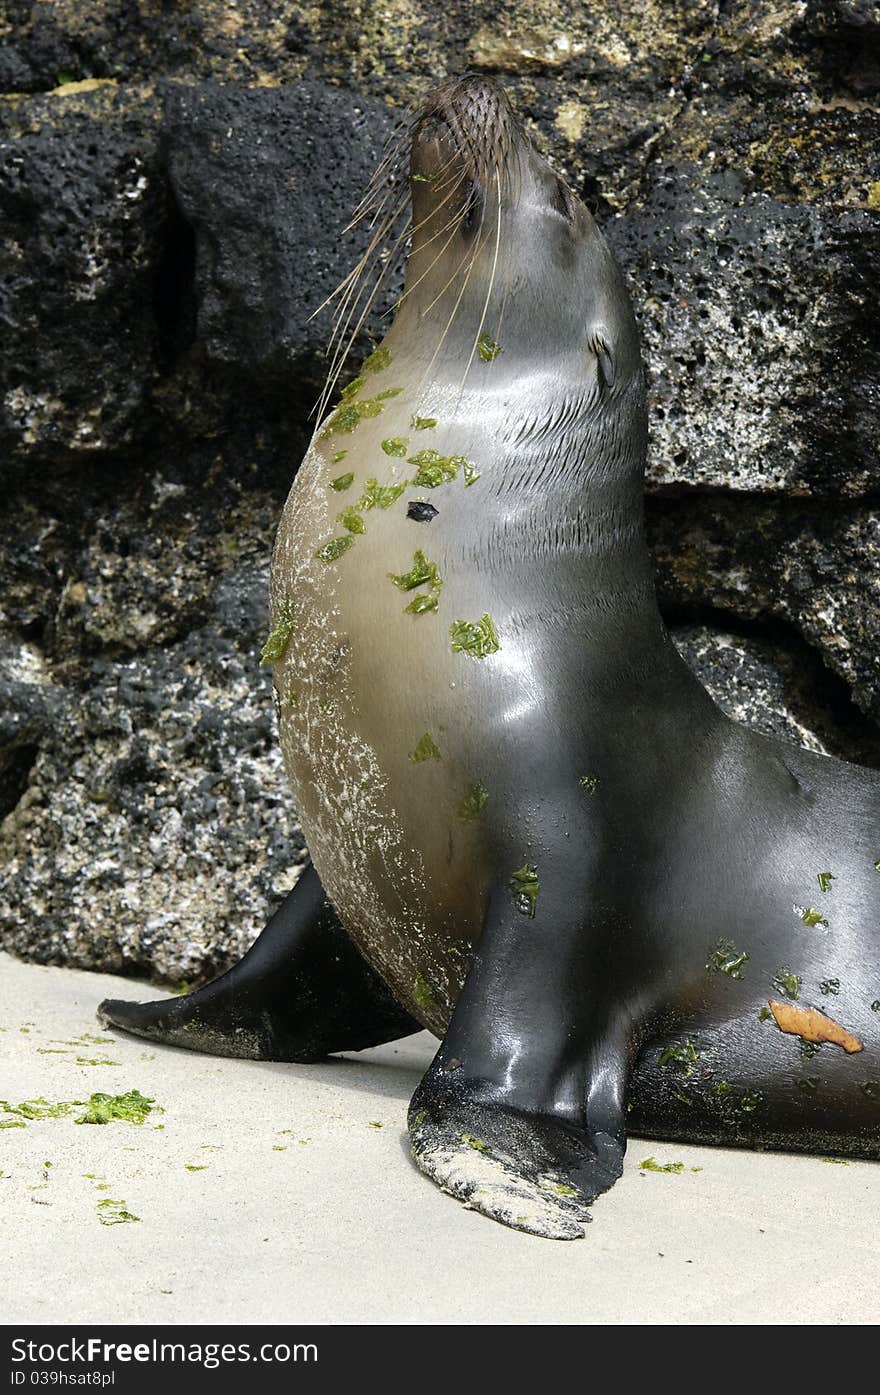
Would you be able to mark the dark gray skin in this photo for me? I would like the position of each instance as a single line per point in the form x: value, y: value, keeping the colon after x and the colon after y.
x: 677, y: 854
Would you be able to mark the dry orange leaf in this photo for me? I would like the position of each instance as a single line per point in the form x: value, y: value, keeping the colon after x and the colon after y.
x: 812, y: 1025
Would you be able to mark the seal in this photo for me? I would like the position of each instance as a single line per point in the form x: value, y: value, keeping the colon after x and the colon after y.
x: 532, y: 831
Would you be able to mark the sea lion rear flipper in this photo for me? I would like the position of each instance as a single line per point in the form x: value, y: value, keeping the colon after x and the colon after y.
x: 521, y: 1114
x: 301, y: 992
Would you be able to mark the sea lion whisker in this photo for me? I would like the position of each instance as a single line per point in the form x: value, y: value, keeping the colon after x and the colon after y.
x: 491, y: 283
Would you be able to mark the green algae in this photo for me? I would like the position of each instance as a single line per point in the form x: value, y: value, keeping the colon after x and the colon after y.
x: 764, y: 1014
x: 12, y: 1124
x: 682, y: 1057
x: 130, y: 1108
x: 787, y: 983
x: 478, y: 1144
x: 479, y: 638
x: 352, y: 389
x: 114, y: 1213
x: 380, y: 496
x: 825, y: 879
x: 421, y: 573
x: 487, y: 348
x: 811, y: 917
x: 388, y: 393
x: 839, y: 1162
x: 590, y: 783
x: 470, y: 472
x: 474, y: 802
x: 37, y: 1109
x: 421, y: 605
x: 396, y: 445
x: 426, y: 748
x: 342, y: 482
x: 651, y: 1165
x: 375, y: 1123
x: 726, y: 959
x: 334, y: 549
x: 96, y: 1061
x: 434, y: 469
x: 526, y: 887
x: 423, y: 994
x: 195, y: 1167
x: 830, y: 986
x: 278, y: 638
x: 875, y: 1006
x: 351, y: 520
x: 557, y: 1188
x: 345, y: 419
x: 375, y: 362
x: 423, y: 423
x: 338, y: 456
x: 808, y: 1049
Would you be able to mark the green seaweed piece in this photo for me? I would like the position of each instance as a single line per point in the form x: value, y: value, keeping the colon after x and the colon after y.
x: 840, y: 1162
x: 396, y: 445
x: 131, y: 1108
x: 434, y: 469
x: 423, y: 994
x: 471, y: 473
x: 421, y: 178
x: 426, y: 748
x: 651, y: 1165
x: 421, y: 573
x: 380, y: 496
x: 683, y: 1057
x: 487, y: 348
x: 370, y: 407
x: 350, y: 519
x: 375, y: 362
x: 352, y: 389
x: 478, y: 1144
x: 726, y: 959
x: 830, y: 985
x: 787, y: 983
x: 825, y: 879
x: 39, y: 1109
x: 474, y: 802
x: 525, y: 886
x: 877, y: 865
x: 345, y: 419
x: 12, y: 1124
x: 423, y: 423
x: 196, y: 1167
x: 764, y: 1014
x: 279, y: 636
x: 810, y: 916
x: 388, y: 393
x: 422, y: 605
x: 334, y: 549
x: 342, y: 482
x: 558, y: 1188
x: 338, y: 456
x: 809, y: 1049
x: 590, y: 783
x: 375, y: 1123
x: 114, y: 1213
x: 875, y: 1006
x: 479, y: 638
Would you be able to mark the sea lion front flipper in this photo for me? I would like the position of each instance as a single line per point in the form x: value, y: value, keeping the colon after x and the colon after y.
x: 301, y: 992
x: 521, y: 1113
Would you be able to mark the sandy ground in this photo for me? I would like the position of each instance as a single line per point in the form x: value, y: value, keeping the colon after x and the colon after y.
x: 274, y: 1193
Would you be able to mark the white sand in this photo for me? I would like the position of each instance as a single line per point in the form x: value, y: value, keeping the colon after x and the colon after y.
x: 305, y: 1212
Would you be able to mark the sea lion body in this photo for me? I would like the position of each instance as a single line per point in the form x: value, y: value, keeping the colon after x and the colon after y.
x: 617, y: 907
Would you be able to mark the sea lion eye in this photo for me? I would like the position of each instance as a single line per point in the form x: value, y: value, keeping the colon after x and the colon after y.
x: 562, y: 200
x: 605, y: 362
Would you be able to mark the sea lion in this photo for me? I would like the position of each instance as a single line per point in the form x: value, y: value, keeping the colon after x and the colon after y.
x: 532, y: 830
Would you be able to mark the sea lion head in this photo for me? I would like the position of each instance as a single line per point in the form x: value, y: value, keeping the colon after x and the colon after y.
x: 507, y: 265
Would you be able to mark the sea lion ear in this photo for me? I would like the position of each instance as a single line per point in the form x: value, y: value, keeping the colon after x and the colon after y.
x: 605, y: 360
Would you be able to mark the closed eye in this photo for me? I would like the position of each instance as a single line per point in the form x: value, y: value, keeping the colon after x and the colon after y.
x: 562, y: 201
